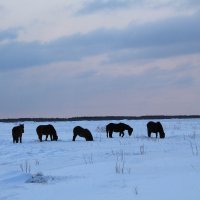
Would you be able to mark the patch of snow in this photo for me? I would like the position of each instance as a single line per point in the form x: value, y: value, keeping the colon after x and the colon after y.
x: 135, y: 167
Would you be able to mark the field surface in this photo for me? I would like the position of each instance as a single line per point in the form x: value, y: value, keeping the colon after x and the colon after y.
x: 135, y: 167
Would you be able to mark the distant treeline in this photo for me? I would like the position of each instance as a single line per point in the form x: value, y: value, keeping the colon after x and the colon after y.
x: 101, y: 118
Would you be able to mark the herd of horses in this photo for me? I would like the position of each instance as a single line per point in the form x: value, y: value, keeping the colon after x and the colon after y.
x: 49, y: 130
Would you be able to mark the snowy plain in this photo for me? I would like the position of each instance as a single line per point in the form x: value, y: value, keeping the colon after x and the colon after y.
x: 135, y: 167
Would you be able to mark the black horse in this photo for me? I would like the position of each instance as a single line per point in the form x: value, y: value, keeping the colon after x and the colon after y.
x: 82, y: 132
x: 17, y: 133
x: 46, y: 130
x: 121, y: 127
x: 155, y: 127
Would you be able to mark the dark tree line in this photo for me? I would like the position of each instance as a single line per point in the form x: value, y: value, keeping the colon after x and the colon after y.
x: 100, y: 118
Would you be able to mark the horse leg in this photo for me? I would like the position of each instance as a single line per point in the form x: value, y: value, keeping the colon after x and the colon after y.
x: 110, y: 134
x: 156, y: 134
x: 107, y: 134
x: 40, y: 137
x: 46, y: 137
x: 51, y: 136
x: 74, y: 137
x: 149, y: 133
x: 17, y: 139
x: 20, y: 139
x: 122, y: 134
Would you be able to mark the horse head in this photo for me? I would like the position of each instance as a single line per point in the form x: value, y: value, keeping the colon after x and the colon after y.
x: 160, y: 129
x: 162, y: 135
x: 130, y: 130
x: 55, y: 137
x: 22, y: 127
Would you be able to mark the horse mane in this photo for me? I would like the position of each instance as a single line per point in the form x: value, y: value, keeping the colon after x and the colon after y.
x: 127, y: 126
x: 160, y: 126
x: 52, y: 127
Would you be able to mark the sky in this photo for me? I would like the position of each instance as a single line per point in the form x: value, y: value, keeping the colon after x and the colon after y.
x: 69, y: 58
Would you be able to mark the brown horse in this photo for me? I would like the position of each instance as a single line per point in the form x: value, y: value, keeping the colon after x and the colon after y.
x: 46, y: 130
x: 82, y: 132
x: 121, y: 127
x: 155, y: 127
x: 17, y: 133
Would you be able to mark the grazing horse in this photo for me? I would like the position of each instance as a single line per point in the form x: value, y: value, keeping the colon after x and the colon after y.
x: 155, y: 127
x: 121, y: 127
x: 46, y: 130
x: 17, y: 133
x: 82, y: 132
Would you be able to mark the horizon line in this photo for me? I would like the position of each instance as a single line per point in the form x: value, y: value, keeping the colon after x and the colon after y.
x: 96, y: 118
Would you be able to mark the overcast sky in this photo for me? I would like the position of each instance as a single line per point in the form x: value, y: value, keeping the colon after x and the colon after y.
x: 66, y: 58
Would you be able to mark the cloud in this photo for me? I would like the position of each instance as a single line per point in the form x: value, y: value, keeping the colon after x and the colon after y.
x: 105, y: 5
x: 94, y: 6
x: 1, y: 8
x: 188, y: 3
x: 169, y: 37
x: 54, y: 92
x: 8, y: 34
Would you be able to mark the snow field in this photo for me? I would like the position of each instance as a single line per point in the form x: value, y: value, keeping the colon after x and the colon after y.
x: 133, y: 167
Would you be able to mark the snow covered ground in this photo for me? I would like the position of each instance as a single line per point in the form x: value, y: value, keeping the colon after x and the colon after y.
x: 126, y: 168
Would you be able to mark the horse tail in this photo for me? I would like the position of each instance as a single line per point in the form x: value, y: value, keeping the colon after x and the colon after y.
x: 107, y: 130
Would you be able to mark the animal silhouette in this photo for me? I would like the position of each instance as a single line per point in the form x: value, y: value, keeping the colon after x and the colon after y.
x: 82, y: 132
x: 17, y: 133
x: 120, y: 127
x: 46, y: 130
x: 155, y: 127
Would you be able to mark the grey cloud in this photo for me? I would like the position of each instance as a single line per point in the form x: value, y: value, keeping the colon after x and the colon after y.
x: 107, y: 5
x: 188, y: 3
x: 2, y: 9
x: 171, y: 37
x: 177, y: 4
x: 37, y: 95
x: 152, y: 79
x: 94, y: 6
x: 155, y: 52
x: 8, y: 34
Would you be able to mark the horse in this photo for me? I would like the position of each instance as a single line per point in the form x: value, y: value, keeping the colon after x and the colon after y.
x: 155, y: 127
x: 17, y: 133
x: 82, y: 132
x: 120, y: 127
x: 46, y: 130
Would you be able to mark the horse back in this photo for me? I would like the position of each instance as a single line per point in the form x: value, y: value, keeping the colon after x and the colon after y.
x: 124, y: 126
x: 78, y: 129
x: 154, y: 126
x: 40, y: 129
x: 114, y: 127
x: 45, y: 129
x: 109, y: 126
x: 17, y: 130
